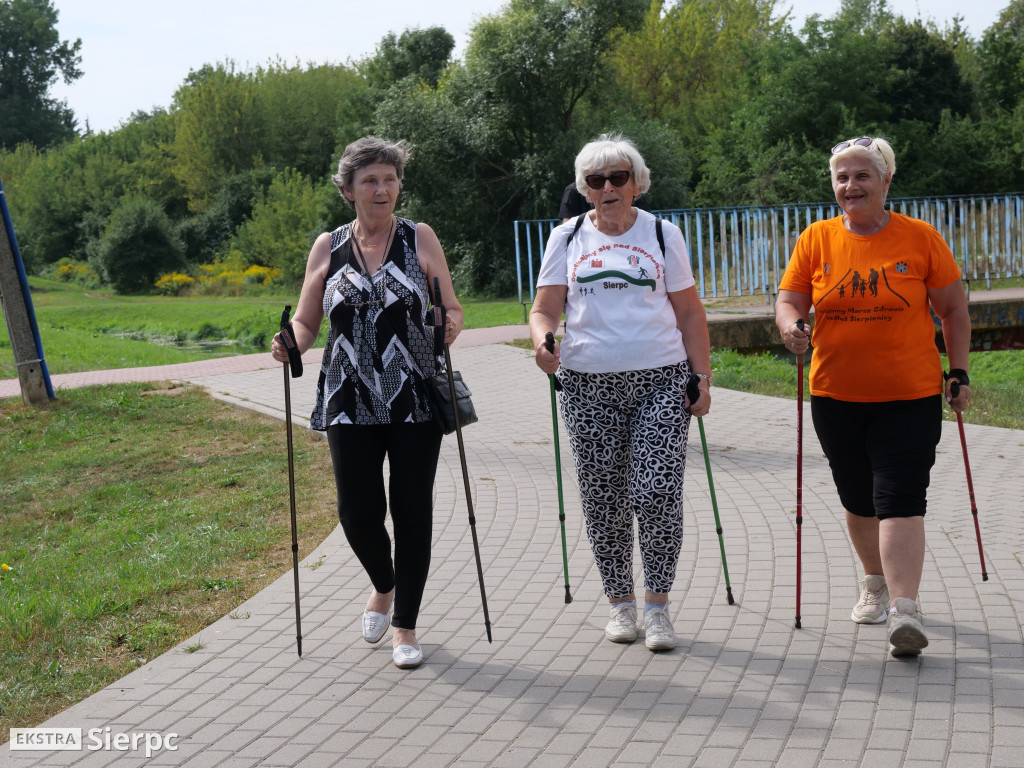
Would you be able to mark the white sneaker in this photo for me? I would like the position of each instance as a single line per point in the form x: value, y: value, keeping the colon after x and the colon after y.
x: 906, y: 628
x: 622, y: 625
x: 660, y: 636
x: 873, y: 607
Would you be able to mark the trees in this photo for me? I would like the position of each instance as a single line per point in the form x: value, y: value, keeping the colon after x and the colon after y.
x: 685, y: 62
x: 217, y: 130
x: 495, y: 140
x: 727, y: 105
x: 420, y: 54
x: 1001, y: 53
x: 31, y: 56
x: 862, y: 71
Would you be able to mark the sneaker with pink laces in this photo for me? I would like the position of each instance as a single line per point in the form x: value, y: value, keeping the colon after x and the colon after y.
x: 874, y: 601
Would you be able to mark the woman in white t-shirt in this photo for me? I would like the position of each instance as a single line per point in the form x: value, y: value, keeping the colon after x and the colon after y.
x: 635, y: 334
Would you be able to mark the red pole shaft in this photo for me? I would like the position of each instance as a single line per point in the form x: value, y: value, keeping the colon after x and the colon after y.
x: 799, y: 478
x: 970, y: 492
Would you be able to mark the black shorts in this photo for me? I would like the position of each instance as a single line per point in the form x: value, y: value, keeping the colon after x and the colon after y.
x: 881, y: 454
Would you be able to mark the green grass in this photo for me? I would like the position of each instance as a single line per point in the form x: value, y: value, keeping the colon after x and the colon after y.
x: 83, y: 330
x: 114, y: 561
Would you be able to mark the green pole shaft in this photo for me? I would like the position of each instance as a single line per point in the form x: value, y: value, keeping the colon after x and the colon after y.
x: 558, y: 482
x: 714, y: 506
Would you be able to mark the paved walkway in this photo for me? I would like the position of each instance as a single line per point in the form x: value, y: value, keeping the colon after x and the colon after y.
x: 744, y: 687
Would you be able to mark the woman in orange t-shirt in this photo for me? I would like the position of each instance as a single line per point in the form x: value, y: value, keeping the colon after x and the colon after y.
x: 876, y: 379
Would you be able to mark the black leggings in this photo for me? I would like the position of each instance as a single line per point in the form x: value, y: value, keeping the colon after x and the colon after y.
x: 358, y: 455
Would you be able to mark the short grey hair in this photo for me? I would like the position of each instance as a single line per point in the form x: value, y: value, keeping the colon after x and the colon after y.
x: 367, y: 151
x: 611, y: 149
x: 883, y: 160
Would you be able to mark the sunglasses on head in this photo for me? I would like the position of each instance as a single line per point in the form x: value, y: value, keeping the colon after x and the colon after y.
x: 863, y: 141
x: 597, y: 180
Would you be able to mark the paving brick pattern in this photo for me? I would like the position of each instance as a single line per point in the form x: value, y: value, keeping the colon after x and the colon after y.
x: 744, y: 687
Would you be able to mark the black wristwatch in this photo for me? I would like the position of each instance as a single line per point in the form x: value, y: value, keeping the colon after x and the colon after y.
x: 959, y: 374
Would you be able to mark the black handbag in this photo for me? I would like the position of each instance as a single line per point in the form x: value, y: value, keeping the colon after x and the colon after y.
x: 441, y: 401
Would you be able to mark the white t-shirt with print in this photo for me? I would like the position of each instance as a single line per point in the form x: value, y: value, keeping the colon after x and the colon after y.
x: 618, y: 316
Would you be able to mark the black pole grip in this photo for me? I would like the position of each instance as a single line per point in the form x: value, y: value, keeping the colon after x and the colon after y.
x: 288, y: 339
x: 439, y: 319
x: 549, y: 343
x: 692, y: 389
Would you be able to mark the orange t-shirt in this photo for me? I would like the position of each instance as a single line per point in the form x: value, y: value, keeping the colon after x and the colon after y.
x: 874, y: 338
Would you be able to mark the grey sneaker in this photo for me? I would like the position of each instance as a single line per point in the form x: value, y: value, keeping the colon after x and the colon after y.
x: 906, y: 628
x: 658, y: 629
x: 622, y: 625
x: 874, y: 601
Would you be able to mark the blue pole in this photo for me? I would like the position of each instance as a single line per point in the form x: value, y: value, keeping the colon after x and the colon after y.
x: 25, y: 292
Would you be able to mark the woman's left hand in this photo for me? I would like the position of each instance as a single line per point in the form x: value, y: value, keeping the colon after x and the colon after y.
x: 703, y: 404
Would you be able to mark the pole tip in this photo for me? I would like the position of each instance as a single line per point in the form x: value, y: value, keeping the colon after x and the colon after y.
x: 728, y: 593
x: 984, y: 577
x: 798, y: 622
x: 568, y: 597
x: 298, y: 639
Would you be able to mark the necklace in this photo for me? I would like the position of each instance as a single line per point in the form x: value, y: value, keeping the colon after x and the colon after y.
x: 362, y: 258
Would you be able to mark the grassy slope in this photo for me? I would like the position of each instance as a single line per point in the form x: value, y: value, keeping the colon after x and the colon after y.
x: 83, y: 330
x: 113, y: 562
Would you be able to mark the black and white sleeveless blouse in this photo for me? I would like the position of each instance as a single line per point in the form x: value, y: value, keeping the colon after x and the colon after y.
x: 379, y: 348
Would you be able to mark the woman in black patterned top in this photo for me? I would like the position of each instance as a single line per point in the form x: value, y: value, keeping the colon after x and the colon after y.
x: 372, y: 279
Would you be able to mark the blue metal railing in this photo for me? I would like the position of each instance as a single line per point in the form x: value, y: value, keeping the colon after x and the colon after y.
x: 744, y: 250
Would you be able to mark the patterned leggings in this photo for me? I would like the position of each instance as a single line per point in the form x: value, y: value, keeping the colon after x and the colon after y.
x: 628, y: 434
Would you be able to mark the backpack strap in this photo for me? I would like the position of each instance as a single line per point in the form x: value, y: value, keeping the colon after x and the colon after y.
x: 657, y: 231
x: 579, y: 223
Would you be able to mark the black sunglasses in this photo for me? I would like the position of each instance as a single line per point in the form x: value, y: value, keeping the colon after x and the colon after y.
x: 597, y: 180
x: 863, y: 141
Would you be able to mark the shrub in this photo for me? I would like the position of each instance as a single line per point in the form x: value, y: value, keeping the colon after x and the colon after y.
x: 173, y: 283
x: 285, y: 221
x: 138, y: 245
x: 79, y: 272
x: 232, y: 278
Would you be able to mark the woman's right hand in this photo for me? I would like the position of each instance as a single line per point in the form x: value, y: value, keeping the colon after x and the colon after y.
x: 796, y: 339
x: 278, y: 349
x: 547, y: 361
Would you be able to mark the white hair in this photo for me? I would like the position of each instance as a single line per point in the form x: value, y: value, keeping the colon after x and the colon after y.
x: 610, y: 149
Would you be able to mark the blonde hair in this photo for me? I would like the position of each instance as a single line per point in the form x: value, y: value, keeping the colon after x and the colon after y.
x: 883, y: 160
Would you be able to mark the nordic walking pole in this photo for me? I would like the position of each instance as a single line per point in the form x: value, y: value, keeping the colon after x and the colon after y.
x: 693, y: 393
x: 799, y: 465
x: 439, y: 326
x: 970, y: 484
x: 549, y: 342
x: 295, y: 364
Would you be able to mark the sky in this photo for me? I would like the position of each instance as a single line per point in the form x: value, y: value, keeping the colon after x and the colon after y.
x: 136, y: 53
